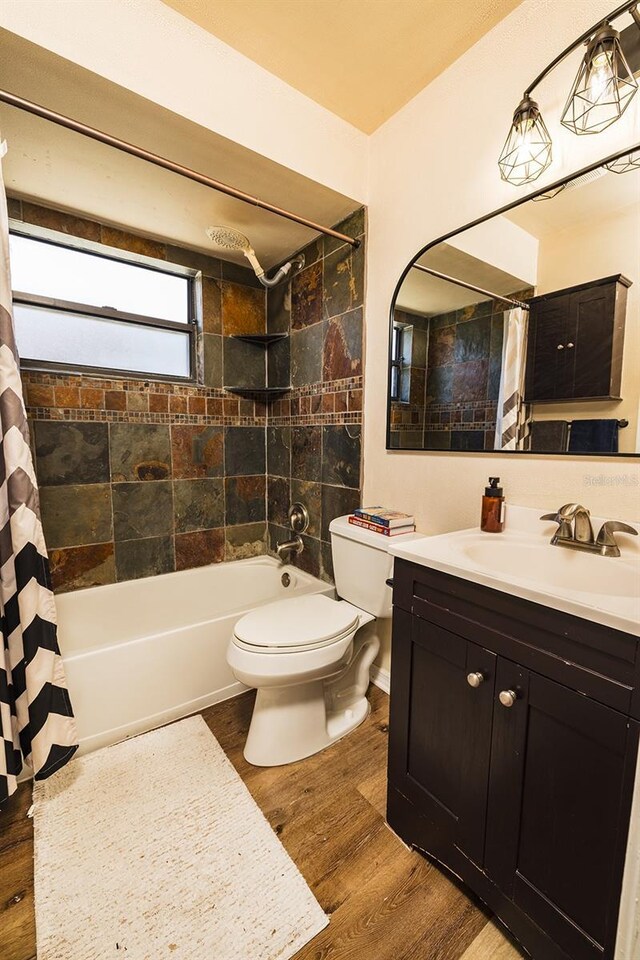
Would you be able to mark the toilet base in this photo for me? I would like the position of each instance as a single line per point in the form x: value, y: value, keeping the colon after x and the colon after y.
x: 284, y: 730
x: 292, y: 722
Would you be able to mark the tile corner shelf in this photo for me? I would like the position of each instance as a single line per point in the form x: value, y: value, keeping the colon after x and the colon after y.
x: 262, y: 394
x: 262, y: 339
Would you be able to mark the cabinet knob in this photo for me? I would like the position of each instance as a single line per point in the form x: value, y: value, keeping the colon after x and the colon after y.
x: 475, y: 679
x: 507, y: 697
x: 569, y: 345
x: 560, y: 346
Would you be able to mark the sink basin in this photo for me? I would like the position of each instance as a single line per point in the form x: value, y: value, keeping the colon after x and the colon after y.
x: 559, y: 567
x: 522, y: 561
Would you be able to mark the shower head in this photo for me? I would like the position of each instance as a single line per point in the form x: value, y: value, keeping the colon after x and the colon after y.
x: 228, y: 238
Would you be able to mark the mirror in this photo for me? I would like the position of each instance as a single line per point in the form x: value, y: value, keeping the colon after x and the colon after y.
x: 522, y: 333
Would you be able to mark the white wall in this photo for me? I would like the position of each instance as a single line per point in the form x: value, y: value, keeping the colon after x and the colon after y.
x: 513, y: 250
x: 433, y: 168
x: 148, y: 48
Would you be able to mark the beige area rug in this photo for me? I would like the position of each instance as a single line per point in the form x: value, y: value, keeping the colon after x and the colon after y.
x: 154, y: 848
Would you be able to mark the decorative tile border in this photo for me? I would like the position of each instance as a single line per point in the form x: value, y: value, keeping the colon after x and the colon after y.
x: 336, y: 401
x: 79, y: 397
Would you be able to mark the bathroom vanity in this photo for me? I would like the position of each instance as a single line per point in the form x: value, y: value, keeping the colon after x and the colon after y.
x: 514, y: 733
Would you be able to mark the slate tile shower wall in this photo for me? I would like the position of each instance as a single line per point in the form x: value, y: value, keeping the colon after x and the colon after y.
x: 314, y: 433
x: 461, y: 382
x: 141, y: 477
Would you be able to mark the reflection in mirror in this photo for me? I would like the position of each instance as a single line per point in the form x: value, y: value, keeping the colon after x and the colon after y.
x: 523, y: 333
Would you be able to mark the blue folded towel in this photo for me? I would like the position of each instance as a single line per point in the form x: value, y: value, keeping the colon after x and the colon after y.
x: 594, y: 436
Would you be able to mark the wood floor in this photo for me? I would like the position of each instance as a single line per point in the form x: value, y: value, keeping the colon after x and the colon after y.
x: 385, y: 901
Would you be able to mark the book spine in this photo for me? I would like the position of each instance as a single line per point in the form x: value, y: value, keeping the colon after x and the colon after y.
x: 377, y: 528
x: 372, y: 518
x: 384, y: 521
x: 368, y: 525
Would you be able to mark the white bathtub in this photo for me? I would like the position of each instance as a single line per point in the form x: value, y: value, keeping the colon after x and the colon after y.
x: 145, y: 652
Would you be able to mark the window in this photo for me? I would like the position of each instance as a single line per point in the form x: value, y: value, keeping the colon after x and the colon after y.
x: 80, y: 307
x: 397, y: 337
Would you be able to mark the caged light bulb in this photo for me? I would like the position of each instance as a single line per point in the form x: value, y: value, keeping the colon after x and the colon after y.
x: 603, y: 88
x: 600, y: 76
x: 527, y: 150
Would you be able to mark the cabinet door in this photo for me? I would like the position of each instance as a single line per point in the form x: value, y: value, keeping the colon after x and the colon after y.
x: 547, y: 354
x: 440, y: 732
x: 589, y: 345
x: 559, y: 800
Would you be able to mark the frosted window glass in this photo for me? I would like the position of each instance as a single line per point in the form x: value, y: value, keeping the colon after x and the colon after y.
x: 80, y: 340
x: 61, y: 273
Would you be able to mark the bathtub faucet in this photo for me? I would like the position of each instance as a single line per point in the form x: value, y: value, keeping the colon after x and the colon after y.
x: 286, y: 548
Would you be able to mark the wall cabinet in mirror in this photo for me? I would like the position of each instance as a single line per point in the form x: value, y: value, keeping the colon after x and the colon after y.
x: 575, y: 342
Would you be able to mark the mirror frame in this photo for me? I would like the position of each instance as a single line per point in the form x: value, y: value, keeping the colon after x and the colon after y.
x: 454, y: 233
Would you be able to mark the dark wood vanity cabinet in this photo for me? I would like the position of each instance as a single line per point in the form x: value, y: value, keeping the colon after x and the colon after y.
x: 525, y: 796
x: 575, y: 342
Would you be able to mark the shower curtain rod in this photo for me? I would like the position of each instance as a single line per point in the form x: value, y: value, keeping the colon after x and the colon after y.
x: 39, y: 111
x: 470, y: 286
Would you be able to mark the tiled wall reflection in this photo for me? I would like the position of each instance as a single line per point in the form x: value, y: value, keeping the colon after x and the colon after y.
x: 453, y: 403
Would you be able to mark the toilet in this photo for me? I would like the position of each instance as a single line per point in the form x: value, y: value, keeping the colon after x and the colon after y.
x: 310, y: 657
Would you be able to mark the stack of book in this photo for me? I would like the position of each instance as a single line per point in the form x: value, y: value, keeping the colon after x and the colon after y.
x: 390, y: 523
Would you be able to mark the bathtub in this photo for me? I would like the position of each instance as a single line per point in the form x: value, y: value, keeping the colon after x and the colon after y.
x: 145, y: 652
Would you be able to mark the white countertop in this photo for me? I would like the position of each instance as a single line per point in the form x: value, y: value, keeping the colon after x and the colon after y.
x: 521, y: 561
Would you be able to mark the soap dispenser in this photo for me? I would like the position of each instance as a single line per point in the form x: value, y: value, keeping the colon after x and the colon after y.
x: 493, y: 507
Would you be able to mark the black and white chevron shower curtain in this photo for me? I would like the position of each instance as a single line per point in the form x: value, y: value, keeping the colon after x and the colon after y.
x: 36, y: 719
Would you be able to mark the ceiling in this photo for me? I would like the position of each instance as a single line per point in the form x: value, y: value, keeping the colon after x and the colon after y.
x: 361, y: 59
x: 430, y: 296
x: 583, y: 203
x: 57, y: 167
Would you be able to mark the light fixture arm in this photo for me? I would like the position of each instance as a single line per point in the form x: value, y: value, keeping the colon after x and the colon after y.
x: 629, y: 7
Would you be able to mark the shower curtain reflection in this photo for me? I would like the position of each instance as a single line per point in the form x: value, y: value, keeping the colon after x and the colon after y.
x: 512, y: 419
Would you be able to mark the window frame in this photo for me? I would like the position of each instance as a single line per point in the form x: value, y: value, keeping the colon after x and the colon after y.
x: 396, y: 362
x: 93, y: 248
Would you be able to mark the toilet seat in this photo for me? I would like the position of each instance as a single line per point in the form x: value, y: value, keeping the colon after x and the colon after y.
x: 301, y: 623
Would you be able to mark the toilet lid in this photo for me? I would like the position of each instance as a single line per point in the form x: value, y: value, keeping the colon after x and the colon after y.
x: 299, y: 622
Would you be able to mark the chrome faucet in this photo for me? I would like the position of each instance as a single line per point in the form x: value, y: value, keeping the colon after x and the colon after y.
x: 285, y: 548
x: 575, y: 531
x: 298, y: 521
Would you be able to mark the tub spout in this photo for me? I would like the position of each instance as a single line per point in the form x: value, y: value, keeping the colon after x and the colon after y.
x: 286, y: 548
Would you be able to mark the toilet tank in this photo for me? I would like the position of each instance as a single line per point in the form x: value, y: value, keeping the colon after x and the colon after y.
x: 361, y: 564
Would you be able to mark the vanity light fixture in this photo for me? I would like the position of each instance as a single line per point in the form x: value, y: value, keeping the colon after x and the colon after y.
x: 601, y: 92
x: 527, y: 150
x: 603, y: 88
x: 631, y: 161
